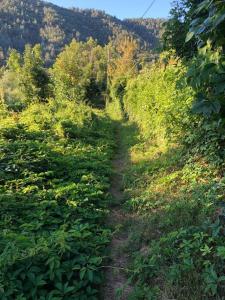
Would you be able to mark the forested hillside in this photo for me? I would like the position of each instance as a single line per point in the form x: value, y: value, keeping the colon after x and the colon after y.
x: 112, y: 173
x: 31, y: 21
x: 150, y: 30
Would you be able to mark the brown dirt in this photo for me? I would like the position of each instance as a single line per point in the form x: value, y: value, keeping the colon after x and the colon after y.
x: 115, y: 274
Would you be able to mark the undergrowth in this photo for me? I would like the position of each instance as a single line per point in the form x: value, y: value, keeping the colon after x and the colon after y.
x: 55, y: 168
x: 175, y: 190
x: 177, y: 230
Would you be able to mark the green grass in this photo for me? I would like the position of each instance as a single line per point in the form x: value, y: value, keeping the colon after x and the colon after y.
x: 176, y: 236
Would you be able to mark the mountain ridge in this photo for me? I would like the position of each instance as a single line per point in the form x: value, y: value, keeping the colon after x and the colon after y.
x: 52, y: 26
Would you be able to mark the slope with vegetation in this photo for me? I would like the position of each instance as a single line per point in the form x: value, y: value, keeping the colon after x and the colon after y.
x: 32, y: 22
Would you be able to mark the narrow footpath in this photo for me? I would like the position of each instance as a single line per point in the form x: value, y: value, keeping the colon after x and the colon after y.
x: 116, y: 276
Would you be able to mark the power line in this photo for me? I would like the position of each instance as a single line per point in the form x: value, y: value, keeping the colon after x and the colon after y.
x: 148, y: 9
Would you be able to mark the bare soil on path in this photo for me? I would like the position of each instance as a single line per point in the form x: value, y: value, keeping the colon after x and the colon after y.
x: 116, y: 286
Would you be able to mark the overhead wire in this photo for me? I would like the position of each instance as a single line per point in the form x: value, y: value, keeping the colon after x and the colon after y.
x: 148, y: 9
x: 144, y: 14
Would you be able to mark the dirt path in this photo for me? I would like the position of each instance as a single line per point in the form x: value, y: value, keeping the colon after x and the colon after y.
x: 115, y: 275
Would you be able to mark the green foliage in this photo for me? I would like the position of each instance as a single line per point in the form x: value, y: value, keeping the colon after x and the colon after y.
x: 55, y: 165
x: 122, y: 66
x: 158, y: 100
x: 206, y: 76
x: 55, y: 156
x: 207, y: 71
x: 79, y: 72
x: 34, y: 79
x: 25, y: 79
x: 183, y: 254
x: 177, y: 27
x: 208, y: 23
x: 10, y: 94
x: 177, y: 229
x: 175, y: 182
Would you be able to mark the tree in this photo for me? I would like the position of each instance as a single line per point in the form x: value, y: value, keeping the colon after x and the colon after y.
x: 122, y: 64
x: 31, y: 76
x: 125, y: 53
x: 177, y: 27
x: 10, y: 93
x: 14, y: 61
x: 79, y: 72
x: 34, y: 80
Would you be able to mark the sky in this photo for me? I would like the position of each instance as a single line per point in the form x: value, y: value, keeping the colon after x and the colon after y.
x: 122, y: 8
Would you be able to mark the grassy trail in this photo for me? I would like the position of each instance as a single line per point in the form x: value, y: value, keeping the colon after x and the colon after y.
x: 116, y: 278
x: 167, y: 214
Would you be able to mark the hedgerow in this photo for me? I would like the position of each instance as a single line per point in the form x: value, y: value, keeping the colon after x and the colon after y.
x: 174, y: 185
x: 158, y: 101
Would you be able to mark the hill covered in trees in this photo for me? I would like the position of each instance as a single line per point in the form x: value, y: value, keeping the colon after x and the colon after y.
x: 30, y: 21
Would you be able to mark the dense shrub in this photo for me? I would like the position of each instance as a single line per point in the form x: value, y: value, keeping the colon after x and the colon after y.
x: 158, y: 101
x: 79, y: 73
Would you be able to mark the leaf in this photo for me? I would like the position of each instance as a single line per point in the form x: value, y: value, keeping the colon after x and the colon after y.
x: 31, y: 276
x: 201, y: 29
x: 189, y: 36
x: 210, y: 66
x: 90, y: 275
x: 68, y: 289
x: 59, y: 286
x: 96, y: 260
x: 206, y: 107
x: 219, y: 88
x: 221, y: 251
x: 82, y: 273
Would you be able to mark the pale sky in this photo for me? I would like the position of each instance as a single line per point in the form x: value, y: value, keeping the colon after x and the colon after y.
x: 122, y: 8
